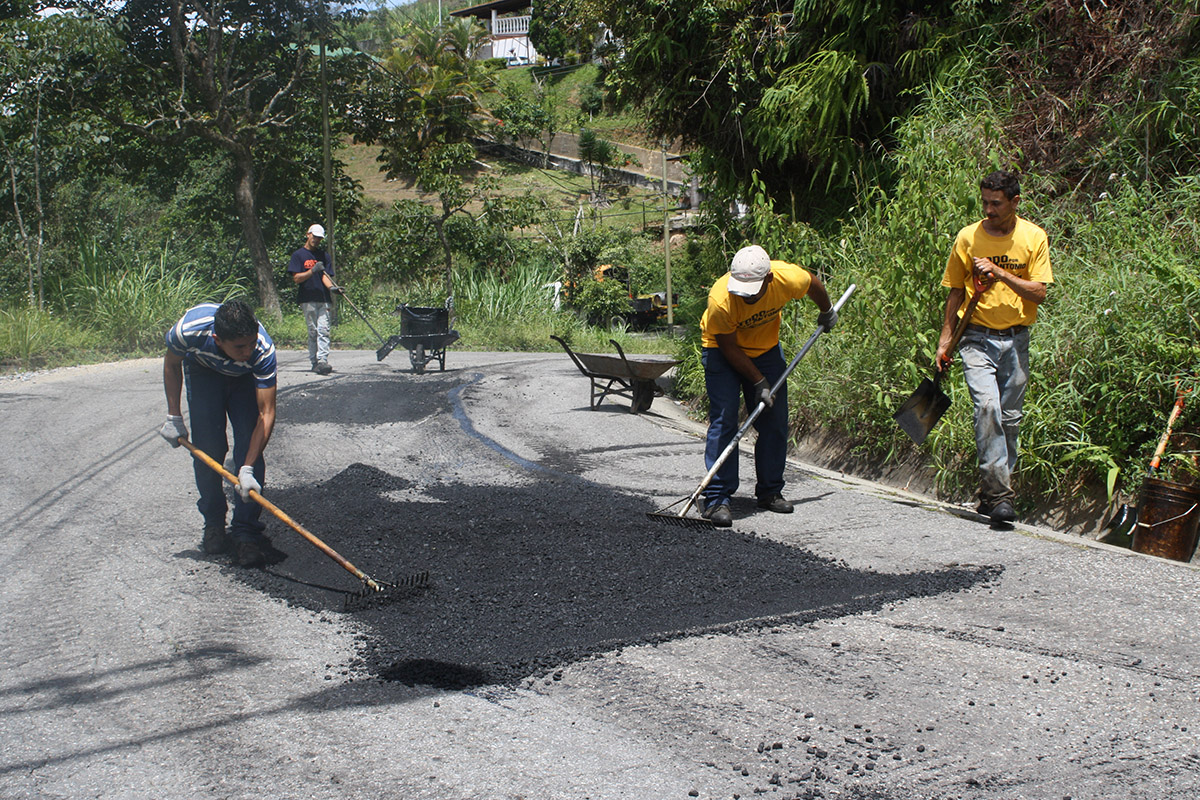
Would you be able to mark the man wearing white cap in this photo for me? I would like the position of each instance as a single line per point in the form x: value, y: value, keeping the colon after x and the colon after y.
x: 742, y: 357
x: 312, y: 270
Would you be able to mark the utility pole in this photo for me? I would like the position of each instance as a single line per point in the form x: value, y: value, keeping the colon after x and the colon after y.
x: 326, y: 158
x: 667, y: 243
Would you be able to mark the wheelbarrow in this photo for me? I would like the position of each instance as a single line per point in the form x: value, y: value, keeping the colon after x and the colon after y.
x: 621, y: 376
x: 425, y: 332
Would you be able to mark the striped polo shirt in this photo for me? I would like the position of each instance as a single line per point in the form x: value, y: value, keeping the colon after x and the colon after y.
x: 193, y: 339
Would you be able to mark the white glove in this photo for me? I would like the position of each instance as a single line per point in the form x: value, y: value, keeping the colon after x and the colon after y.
x: 246, y: 482
x: 828, y: 318
x: 172, y: 429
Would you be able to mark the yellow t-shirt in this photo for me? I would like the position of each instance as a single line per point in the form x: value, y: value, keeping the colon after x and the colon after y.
x: 756, y: 324
x: 1025, y: 253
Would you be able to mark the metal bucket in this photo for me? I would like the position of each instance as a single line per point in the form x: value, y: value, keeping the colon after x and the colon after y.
x: 1168, y: 519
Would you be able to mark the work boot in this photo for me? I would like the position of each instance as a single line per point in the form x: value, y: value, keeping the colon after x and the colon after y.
x: 215, y: 541
x: 776, y: 503
x: 322, y: 368
x: 1003, y: 513
x: 250, y: 554
x: 719, y: 515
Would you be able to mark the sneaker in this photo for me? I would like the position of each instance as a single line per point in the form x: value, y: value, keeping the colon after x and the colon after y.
x: 322, y: 368
x: 215, y: 541
x: 776, y: 503
x: 1003, y: 513
x: 719, y: 515
x: 250, y: 554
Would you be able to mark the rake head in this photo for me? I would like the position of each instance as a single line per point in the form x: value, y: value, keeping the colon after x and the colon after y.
x: 373, y: 593
x: 692, y: 523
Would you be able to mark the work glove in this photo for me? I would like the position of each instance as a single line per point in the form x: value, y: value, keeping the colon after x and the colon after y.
x: 338, y: 290
x: 315, y: 266
x: 246, y: 482
x: 172, y: 429
x: 762, y: 393
x: 828, y: 318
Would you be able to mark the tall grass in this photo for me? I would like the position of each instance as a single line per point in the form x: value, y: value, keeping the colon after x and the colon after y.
x: 130, y: 301
x: 29, y: 337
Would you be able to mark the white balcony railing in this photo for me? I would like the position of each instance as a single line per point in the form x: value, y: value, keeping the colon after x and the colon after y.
x: 510, y: 26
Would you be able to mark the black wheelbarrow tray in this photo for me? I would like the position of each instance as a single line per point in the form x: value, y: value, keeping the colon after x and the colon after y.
x: 620, y: 375
x: 425, y: 333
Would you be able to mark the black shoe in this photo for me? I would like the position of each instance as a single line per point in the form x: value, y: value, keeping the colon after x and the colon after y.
x: 776, y: 503
x: 322, y: 368
x: 984, y: 509
x: 215, y: 541
x: 1003, y: 513
x: 250, y: 554
x: 719, y: 515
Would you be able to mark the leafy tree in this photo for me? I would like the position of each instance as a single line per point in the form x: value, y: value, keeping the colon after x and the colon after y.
x: 44, y: 135
x: 521, y: 117
x: 795, y: 94
x: 546, y: 28
x: 425, y: 110
x: 236, y: 75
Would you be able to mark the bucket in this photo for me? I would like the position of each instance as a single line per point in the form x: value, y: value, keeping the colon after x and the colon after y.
x: 422, y: 321
x: 1167, y: 520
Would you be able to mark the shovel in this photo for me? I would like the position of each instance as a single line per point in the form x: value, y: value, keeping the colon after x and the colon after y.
x: 1119, y: 530
x: 387, y: 344
x: 680, y: 518
x: 922, y: 410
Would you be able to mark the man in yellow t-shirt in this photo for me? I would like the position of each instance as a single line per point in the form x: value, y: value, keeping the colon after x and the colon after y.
x: 741, y: 356
x: 1010, y: 257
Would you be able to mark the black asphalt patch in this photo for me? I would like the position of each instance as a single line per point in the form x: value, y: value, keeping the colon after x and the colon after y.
x: 524, y: 579
x: 374, y: 401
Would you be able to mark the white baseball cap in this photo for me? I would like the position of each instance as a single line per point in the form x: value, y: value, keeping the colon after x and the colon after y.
x: 317, y: 231
x: 751, y: 265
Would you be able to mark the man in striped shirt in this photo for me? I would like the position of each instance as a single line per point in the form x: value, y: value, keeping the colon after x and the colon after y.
x: 227, y: 361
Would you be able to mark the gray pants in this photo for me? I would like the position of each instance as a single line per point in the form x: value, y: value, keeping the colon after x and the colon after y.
x: 317, y: 317
x: 997, y: 370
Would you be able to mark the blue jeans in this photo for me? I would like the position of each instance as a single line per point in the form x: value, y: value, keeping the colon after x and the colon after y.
x: 996, y: 369
x: 726, y: 387
x: 211, y: 398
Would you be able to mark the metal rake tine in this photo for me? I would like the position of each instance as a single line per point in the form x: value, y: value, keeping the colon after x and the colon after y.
x: 372, y: 591
x: 694, y: 523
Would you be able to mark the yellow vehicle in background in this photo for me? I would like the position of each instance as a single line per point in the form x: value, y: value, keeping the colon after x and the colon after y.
x: 645, y: 310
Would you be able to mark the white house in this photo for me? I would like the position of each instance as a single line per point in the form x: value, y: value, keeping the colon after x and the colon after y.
x: 507, y: 22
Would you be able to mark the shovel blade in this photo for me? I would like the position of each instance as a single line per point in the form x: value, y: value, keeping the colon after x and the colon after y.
x: 388, y: 347
x: 922, y: 410
x: 1119, y: 530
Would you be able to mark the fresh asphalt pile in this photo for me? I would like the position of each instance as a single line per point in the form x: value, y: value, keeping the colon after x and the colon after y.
x: 523, y: 579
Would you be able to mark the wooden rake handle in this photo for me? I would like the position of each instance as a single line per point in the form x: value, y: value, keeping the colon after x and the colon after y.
x: 284, y: 518
x: 1162, y: 443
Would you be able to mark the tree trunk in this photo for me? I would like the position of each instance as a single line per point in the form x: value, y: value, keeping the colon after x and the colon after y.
x: 247, y: 210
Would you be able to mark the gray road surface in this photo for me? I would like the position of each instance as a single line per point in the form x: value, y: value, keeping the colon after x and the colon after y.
x: 134, y: 668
